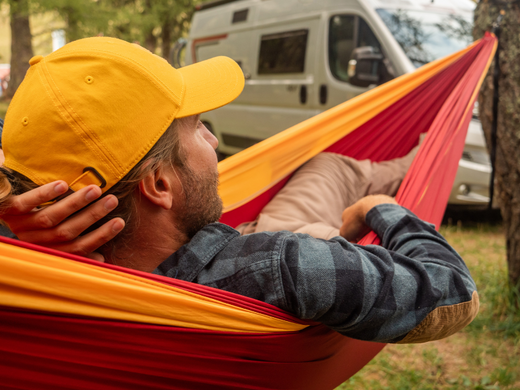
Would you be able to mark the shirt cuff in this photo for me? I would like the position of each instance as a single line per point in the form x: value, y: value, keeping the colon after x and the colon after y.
x: 382, y: 216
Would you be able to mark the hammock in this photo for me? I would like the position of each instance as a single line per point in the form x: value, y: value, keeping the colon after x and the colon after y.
x: 84, y: 325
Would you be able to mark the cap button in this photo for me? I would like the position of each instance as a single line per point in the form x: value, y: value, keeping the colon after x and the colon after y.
x: 35, y: 60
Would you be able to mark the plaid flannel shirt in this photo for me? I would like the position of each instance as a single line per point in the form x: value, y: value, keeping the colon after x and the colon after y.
x: 376, y: 293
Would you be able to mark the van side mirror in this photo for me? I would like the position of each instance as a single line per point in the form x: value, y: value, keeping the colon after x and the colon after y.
x: 175, y: 53
x: 364, y: 67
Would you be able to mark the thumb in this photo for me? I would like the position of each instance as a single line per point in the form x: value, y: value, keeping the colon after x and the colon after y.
x: 96, y: 256
x: 354, y: 226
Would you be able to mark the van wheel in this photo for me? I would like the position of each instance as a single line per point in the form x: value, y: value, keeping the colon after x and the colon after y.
x: 220, y: 156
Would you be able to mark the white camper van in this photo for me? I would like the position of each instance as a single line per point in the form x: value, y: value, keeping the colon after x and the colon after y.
x: 301, y: 57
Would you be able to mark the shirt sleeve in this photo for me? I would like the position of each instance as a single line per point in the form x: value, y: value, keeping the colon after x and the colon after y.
x: 412, y: 288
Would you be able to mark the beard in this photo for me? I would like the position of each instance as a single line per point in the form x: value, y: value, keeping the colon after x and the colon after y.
x: 202, y: 203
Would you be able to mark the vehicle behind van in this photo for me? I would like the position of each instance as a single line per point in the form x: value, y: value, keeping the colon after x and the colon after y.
x: 302, y: 57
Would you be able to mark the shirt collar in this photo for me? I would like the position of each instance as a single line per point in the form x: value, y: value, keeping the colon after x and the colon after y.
x: 189, y: 260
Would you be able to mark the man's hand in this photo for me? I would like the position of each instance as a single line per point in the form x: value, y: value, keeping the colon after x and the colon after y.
x: 354, y: 227
x: 51, y: 227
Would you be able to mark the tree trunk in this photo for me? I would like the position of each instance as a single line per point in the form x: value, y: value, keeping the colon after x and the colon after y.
x: 21, y: 47
x: 507, y: 164
x: 166, y: 39
x: 150, y: 41
x: 73, y: 20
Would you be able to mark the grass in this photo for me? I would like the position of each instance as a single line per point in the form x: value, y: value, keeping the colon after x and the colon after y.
x: 483, y: 356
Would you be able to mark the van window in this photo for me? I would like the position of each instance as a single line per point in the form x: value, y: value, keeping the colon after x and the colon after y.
x: 426, y: 36
x: 366, y: 37
x: 240, y: 16
x: 341, y: 44
x: 347, y: 32
x: 283, y: 52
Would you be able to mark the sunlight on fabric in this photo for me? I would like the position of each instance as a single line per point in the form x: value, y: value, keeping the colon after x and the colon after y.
x: 58, y: 285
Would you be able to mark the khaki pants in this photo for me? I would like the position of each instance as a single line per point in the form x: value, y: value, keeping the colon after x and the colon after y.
x: 314, y: 198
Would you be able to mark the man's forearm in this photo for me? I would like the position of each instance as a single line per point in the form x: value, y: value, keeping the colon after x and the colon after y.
x: 413, y: 288
x: 400, y: 231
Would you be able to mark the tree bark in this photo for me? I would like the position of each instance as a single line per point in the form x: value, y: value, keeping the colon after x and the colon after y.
x: 507, y: 164
x: 73, y: 20
x: 150, y: 40
x: 166, y: 36
x: 21, y: 45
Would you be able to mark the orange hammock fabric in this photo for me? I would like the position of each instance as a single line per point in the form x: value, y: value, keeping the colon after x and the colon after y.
x: 69, y: 322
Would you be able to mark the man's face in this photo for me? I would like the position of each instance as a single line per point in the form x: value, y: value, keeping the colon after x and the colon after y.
x: 199, y: 177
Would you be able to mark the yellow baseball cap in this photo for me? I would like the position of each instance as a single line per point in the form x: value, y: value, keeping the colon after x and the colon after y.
x: 90, y: 111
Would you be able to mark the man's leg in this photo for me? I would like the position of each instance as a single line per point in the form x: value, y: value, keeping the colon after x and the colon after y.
x: 314, y: 198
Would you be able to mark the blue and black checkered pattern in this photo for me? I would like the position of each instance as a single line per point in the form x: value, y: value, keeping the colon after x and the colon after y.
x: 376, y: 293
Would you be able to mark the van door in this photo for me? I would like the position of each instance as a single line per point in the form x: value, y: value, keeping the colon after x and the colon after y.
x: 345, y: 32
x: 278, y: 88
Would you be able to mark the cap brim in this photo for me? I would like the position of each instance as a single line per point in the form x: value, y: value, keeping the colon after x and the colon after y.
x: 210, y: 84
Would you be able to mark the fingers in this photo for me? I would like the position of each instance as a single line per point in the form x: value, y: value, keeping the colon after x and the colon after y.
x: 353, y: 232
x: 70, y: 229
x: 354, y: 227
x: 87, y: 244
x: 24, y: 203
x: 96, y: 256
x: 51, y: 215
x: 53, y: 225
x: 371, y: 201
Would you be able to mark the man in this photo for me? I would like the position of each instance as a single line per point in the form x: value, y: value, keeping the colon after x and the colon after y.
x: 117, y: 119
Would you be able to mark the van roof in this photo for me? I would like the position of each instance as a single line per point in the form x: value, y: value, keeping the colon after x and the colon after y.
x: 446, y: 5
x: 214, y: 3
x: 449, y: 6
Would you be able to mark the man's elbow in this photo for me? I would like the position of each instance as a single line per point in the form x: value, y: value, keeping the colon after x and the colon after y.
x: 444, y: 321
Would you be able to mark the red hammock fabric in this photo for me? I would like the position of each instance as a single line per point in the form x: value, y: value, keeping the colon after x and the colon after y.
x: 46, y: 351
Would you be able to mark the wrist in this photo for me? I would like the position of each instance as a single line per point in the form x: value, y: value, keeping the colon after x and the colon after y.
x: 371, y: 201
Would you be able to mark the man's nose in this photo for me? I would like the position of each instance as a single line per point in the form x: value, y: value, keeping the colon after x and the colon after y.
x: 210, y: 138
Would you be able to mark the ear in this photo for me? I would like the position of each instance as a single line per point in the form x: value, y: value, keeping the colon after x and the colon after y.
x: 157, y: 187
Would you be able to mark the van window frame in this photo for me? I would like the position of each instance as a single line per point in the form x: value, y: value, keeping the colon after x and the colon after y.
x: 280, y: 35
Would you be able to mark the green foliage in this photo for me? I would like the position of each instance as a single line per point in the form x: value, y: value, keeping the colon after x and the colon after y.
x: 155, y: 24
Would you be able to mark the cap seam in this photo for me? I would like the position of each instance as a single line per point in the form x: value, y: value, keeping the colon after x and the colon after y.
x: 13, y: 164
x: 24, y: 171
x: 138, y: 158
x: 183, y: 90
x: 88, y: 137
x: 138, y: 67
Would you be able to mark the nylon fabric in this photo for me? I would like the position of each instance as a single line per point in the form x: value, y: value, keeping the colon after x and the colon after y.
x: 73, y: 288
x: 74, y: 351
x: 137, y: 356
x: 260, y: 167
